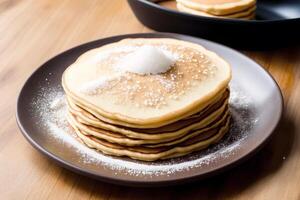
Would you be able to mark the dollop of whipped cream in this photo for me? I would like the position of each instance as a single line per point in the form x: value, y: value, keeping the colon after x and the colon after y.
x: 147, y: 60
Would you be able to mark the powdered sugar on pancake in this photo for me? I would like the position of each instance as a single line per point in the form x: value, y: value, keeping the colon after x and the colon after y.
x: 93, y: 86
x: 142, y: 60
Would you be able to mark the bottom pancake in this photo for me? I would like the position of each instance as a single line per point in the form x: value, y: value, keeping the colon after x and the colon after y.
x: 151, y: 154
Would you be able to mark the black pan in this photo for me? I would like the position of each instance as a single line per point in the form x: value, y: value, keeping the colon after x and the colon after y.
x: 277, y: 24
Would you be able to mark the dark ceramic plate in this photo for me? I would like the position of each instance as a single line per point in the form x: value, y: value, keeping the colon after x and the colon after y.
x: 277, y: 24
x: 254, y: 119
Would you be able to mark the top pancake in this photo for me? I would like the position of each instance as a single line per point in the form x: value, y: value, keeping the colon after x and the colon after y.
x: 218, y: 7
x: 195, y: 80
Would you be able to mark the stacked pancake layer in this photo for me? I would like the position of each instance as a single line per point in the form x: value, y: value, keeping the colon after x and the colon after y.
x: 148, y: 116
x: 239, y: 9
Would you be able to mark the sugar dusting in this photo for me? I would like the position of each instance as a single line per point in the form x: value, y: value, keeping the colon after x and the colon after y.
x: 183, y: 68
x: 143, y: 60
x: 51, y: 108
x: 92, y: 87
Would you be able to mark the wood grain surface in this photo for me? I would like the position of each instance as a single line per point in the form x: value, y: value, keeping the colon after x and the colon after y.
x: 32, y: 31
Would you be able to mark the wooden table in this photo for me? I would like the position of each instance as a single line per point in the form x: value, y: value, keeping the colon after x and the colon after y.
x: 32, y: 31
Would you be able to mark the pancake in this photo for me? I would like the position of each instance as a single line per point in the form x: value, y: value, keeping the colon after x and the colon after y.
x: 246, y: 14
x: 197, y: 77
x: 165, y: 132
x: 115, y: 137
x: 140, y: 126
x: 218, y: 7
x: 151, y: 154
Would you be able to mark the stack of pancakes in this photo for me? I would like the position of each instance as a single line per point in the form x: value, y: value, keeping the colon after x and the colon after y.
x: 239, y: 9
x: 148, y: 116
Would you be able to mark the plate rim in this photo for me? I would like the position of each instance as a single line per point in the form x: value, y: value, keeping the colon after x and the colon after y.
x: 143, y: 183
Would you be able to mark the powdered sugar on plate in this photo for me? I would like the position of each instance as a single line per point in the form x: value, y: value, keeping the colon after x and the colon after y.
x: 50, y: 106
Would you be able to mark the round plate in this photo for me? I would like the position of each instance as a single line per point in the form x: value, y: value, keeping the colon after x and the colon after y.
x: 277, y: 23
x: 254, y: 119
